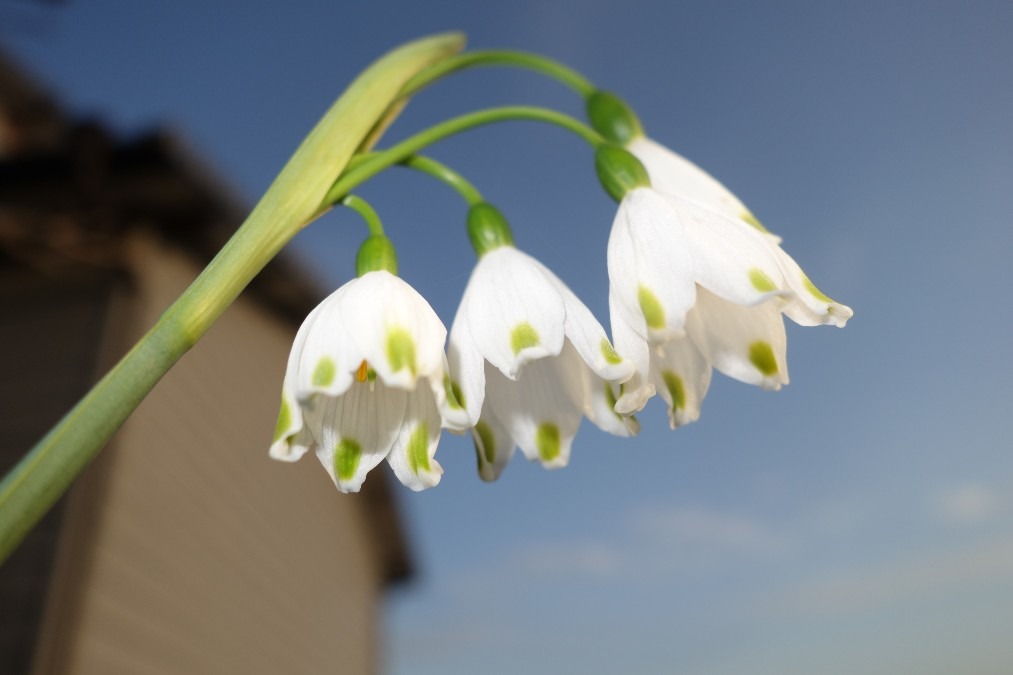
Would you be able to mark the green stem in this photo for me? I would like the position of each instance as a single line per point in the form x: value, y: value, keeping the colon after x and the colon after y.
x: 541, y: 64
x: 368, y: 213
x: 445, y: 174
x: 293, y: 200
x: 369, y: 165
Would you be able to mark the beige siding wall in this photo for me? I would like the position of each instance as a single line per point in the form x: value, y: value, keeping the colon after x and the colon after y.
x: 194, y: 552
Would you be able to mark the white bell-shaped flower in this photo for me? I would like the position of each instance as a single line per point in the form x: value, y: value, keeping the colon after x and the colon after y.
x: 367, y: 380
x: 673, y: 174
x: 529, y: 360
x: 695, y: 281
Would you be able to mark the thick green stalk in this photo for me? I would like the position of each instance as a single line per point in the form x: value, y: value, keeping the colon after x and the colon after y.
x: 292, y: 201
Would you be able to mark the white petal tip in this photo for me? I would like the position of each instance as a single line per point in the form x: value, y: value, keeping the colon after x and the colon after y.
x: 285, y: 451
x: 634, y: 401
x: 427, y: 479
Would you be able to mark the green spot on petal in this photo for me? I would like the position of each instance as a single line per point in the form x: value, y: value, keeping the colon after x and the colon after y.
x: 675, y: 389
x: 284, y: 420
x: 547, y: 441
x: 761, y: 355
x: 609, y: 352
x: 452, y: 390
x: 761, y: 281
x: 751, y: 219
x: 418, y: 450
x: 401, y: 350
x: 813, y: 291
x: 487, y: 450
x: 523, y: 336
x: 610, y: 398
x: 654, y: 313
x: 346, y: 458
x: 323, y: 374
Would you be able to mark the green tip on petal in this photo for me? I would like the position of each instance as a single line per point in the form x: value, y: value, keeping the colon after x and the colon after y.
x: 619, y: 171
x: 815, y: 292
x: 752, y: 220
x: 523, y: 336
x: 401, y: 351
x: 284, y: 420
x: 346, y: 458
x: 761, y: 355
x: 613, y: 118
x: 547, y: 441
x: 673, y: 383
x: 418, y: 450
x: 487, y: 451
x: 610, y: 398
x: 452, y: 390
x: 488, y: 229
x: 323, y: 374
x: 610, y: 353
x: 761, y: 281
x: 376, y: 253
x: 654, y: 313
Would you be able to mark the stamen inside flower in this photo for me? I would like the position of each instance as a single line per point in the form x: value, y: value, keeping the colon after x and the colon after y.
x: 363, y: 372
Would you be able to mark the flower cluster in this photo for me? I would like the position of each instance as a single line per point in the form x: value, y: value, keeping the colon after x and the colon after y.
x: 695, y: 284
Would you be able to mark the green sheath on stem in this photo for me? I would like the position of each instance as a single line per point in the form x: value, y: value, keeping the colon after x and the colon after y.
x: 291, y: 202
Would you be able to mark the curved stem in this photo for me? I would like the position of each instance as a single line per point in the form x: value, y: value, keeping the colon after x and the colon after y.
x: 368, y: 213
x: 362, y: 170
x: 445, y: 174
x: 541, y: 64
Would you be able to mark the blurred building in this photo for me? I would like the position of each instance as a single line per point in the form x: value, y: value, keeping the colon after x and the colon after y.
x: 183, y: 548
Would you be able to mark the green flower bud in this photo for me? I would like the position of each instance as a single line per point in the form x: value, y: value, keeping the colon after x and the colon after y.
x: 376, y: 253
x: 613, y: 118
x: 619, y: 171
x: 487, y: 228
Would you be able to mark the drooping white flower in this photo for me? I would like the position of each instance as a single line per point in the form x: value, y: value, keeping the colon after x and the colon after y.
x: 367, y: 380
x: 695, y: 281
x: 673, y: 174
x: 529, y: 360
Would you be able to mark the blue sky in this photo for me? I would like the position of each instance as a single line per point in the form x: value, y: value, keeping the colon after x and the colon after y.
x: 857, y: 521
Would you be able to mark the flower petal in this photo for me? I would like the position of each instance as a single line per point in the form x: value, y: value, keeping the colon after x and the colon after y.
x: 636, y: 391
x: 600, y: 398
x: 327, y: 357
x: 730, y: 259
x: 450, y: 401
x: 467, y: 367
x: 291, y: 437
x: 541, y: 410
x: 394, y: 328
x: 811, y: 307
x: 493, y: 446
x: 514, y: 313
x: 356, y: 430
x: 745, y: 343
x: 649, y: 265
x: 413, y: 454
x: 587, y: 335
x: 682, y: 374
x: 674, y: 174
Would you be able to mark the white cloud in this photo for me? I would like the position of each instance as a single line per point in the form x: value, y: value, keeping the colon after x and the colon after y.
x: 695, y: 528
x: 891, y: 582
x: 588, y: 559
x: 967, y: 504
